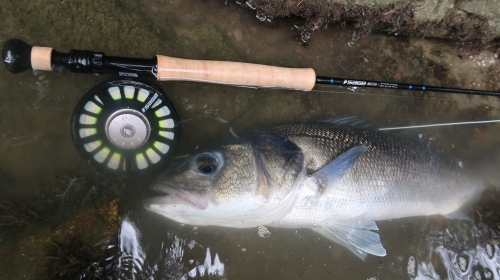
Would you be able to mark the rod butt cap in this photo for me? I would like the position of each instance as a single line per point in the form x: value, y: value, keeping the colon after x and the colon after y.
x: 16, y: 56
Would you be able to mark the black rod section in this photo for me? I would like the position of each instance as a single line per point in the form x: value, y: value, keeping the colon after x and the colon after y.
x: 130, y: 67
x: 78, y: 61
x: 16, y: 56
x: 375, y: 84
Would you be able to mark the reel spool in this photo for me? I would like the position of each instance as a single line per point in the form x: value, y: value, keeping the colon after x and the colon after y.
x: 125, y: 125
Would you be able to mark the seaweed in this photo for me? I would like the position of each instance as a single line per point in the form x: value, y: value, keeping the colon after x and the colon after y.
x: 486, y: 211
x: 55, y: 228
x: 76, y: 259
x: 19, y: 214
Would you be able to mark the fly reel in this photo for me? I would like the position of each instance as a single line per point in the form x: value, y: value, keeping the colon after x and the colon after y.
x: 125, y: 125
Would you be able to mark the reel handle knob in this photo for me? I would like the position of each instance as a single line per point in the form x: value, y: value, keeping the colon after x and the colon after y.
x: 16, y: 55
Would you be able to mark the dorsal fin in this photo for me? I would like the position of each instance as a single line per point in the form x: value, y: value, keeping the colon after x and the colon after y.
x: 348, y: 121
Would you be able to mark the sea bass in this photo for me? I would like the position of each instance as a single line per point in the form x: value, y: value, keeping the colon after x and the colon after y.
x: 336, y: 177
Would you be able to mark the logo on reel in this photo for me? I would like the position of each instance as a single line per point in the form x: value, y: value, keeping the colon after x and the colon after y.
x: 127, y: 131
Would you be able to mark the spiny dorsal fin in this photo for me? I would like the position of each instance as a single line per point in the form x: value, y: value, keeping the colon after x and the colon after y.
x: 348, y: 121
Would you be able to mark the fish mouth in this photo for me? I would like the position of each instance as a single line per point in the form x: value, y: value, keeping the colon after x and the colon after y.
x: 196, y: 197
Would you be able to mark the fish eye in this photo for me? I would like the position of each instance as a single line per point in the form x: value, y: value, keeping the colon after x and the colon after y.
x: 207, y: 163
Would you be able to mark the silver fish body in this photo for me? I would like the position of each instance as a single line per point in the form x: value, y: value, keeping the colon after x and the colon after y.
x: 336, y: 177
x: 394, y: 178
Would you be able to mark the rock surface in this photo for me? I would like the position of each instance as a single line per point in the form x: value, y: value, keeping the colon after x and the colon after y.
x: 474, y: 21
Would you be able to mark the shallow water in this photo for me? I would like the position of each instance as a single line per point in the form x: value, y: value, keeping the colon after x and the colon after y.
x: 38, y: 157
x: 421, y: 249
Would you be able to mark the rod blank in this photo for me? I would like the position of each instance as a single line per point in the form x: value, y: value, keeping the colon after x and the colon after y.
x: 390, y: 85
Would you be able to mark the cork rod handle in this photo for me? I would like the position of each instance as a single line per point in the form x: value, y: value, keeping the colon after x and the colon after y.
x: 234, y: 73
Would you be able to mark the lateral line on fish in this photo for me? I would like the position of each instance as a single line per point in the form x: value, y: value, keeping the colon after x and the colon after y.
x: 438, y: 124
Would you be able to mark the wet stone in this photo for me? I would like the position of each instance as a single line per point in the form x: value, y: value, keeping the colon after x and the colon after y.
x: 490, y: 250
x: 263, y: 232
x: 477, y: 275
x: 463, y: 262
x: 480, y: 272
x: 411, y: 269
x: 488, y: 274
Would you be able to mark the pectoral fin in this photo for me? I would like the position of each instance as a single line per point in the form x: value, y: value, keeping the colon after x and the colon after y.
x: 357, y: 236
x: 361, y: 254
x: 337, y: 167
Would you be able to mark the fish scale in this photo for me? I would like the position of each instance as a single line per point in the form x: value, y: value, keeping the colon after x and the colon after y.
x: 336, y: 177
x: 337, y: 139
x: 405, y: 171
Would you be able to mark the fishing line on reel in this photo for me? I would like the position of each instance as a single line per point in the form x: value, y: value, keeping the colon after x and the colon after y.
x: 125, y: 125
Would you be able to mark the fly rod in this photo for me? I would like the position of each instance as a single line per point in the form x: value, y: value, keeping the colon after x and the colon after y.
x: 19, y: 56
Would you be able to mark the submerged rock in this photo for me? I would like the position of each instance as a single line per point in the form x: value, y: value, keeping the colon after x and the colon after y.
x: 472, y: 21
